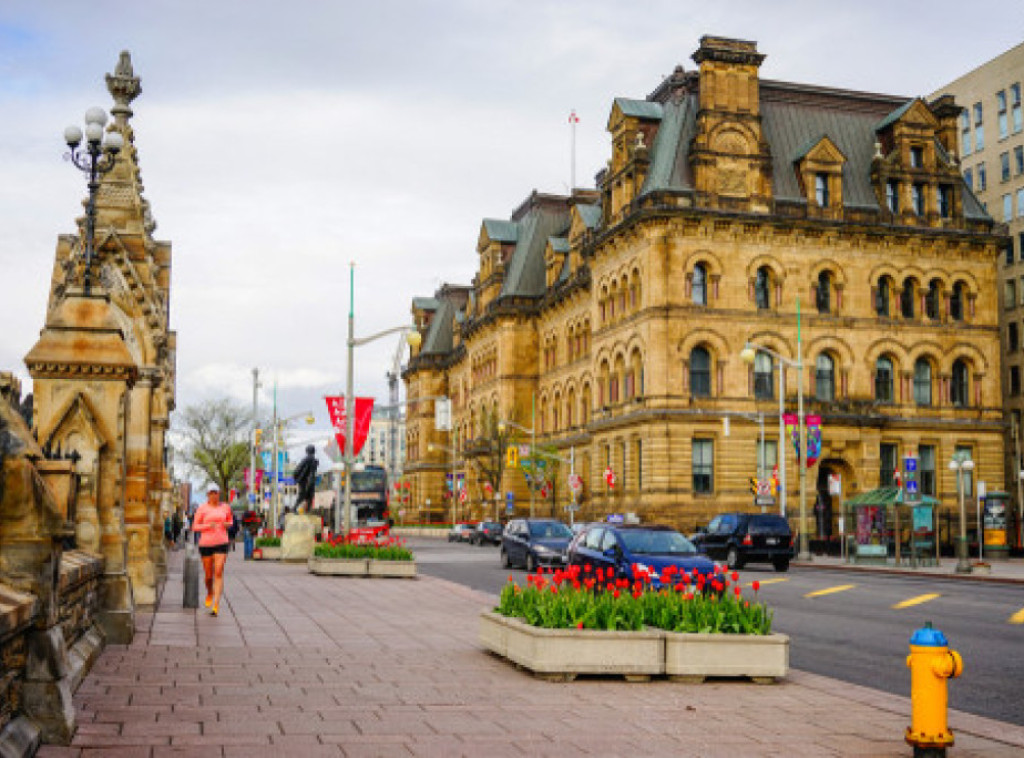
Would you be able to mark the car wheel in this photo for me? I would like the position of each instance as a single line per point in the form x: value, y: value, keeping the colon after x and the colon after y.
x: 531, y: 563
x: 781, y: 564
x: 732, y: 559
x: 505, y: 562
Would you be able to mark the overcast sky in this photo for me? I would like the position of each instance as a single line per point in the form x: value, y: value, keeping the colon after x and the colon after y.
x: 278, y: 141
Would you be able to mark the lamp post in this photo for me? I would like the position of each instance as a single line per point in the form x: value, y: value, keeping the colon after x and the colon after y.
x: 450, y: 451
x: 749, y: 352
x: 532, y: 431
x: 95, y: 158
x: 961, y: 463
x: 344, y: 500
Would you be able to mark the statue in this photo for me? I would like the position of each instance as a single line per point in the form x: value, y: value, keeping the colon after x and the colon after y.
x: 305, y: 478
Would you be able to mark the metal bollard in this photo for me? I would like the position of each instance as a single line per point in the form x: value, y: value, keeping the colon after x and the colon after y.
x: 190, y: 578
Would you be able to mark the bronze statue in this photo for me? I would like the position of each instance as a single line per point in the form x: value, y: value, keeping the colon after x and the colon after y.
x: 305, y: 478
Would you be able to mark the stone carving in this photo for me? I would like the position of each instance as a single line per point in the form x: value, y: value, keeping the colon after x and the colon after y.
x: 299, y: 536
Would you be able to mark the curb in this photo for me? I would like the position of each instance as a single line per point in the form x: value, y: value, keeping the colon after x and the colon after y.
x: 909, y: 573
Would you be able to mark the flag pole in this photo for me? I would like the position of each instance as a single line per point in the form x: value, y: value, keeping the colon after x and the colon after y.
x: 573, y: 120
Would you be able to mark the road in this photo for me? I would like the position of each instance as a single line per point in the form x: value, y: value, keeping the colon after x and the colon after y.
x: 844, y: 624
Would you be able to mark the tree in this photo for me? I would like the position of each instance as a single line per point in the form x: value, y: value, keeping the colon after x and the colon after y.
x: 488, y: 451
x: 215, y: 436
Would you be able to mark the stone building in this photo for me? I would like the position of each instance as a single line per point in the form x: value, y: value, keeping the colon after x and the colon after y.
x: 103, y: 376
x: 991, y: 134
x: 610, y: 322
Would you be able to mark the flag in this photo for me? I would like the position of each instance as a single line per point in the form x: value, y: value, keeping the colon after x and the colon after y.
x: 573, y: 118
x: 793, y: 430
x: 361, y: 423
x: 813, y: 439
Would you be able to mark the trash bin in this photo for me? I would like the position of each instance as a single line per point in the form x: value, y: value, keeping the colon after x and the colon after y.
x: 248, y: 541
x: 190, y: 578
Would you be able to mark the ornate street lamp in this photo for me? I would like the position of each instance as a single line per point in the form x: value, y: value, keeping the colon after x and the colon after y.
x: 95, y: 158
x: 960, y: 463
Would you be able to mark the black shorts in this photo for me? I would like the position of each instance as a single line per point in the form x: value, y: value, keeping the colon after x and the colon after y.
x: 206, y: 552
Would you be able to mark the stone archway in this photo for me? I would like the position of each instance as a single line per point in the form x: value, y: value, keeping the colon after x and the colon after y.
x: 827, y: 505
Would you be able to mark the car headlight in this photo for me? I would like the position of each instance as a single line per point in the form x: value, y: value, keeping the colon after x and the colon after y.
x: 543, y: 549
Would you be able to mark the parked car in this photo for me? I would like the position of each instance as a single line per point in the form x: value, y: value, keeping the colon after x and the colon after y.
x: 460, y: 533
x: 533, y: 542
x: 486, y: 533
x: 741, y: 538
x: 649, y: 548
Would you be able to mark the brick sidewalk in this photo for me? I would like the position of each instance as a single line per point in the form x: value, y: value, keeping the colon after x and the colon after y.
x: 310, y: 666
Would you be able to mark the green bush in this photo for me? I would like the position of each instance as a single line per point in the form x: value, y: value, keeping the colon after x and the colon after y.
x: 391, y: 550
x: 267, y: 542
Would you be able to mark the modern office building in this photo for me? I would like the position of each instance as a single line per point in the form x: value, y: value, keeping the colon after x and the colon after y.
x: 830, y: 229
x: 991, y: 139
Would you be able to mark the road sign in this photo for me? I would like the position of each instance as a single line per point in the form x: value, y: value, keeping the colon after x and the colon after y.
x: 764, y: 500
x: 909, y: 464
x: 575, y: 482
x: 616, y: 518
x: 912, y: 488
x: 573, y: 507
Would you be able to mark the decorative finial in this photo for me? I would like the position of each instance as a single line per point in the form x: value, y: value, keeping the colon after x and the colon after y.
x: 124, y: 87
x: 640, y: 141
x: 878, y: 149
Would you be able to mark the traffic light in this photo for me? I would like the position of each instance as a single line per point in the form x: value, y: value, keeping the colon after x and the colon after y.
x: 512, y: 456
x: 753, y: 485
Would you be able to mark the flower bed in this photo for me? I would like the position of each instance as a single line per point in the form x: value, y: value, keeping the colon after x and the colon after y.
x: 575, y: 621
x: 267, y: 542
x: 382, y: 558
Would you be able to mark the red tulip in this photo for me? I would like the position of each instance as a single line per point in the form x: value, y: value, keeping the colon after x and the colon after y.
x: 756, y: 585
x: 579, y: 625
x: 735, y: 576
x: 738, y: 591
x: 587, y: 567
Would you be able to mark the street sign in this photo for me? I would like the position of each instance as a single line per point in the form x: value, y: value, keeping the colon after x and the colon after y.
x: 616, y: 518
x: 764, y: 500
x: 909, y: 464
x: 572, y: 507
x: 575, y: 482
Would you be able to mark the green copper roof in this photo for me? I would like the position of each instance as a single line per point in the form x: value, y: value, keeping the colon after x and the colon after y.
x: 425, y: 303
x: 639, y: 108
x: 895, y: 115
x: 500, y: 230
x: 559, y: 244
x: 591, y: 215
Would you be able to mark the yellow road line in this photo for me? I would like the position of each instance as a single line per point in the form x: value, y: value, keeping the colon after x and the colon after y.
x: 830, y: 590
x: 1018, y: 617
x: 916, y: 600
x: 769, y: 581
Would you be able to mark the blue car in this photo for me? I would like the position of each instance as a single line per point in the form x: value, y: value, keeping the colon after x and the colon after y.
x: 651, y: 548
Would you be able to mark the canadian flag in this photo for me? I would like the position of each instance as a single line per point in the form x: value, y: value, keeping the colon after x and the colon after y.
x: 609, y: 477
x: 573, y: 118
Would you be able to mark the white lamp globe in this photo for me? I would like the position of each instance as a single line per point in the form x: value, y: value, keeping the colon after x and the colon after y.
x: 94, y: 132
x: 113, y: 142
x: 73, y: 135
x: 96, y: 115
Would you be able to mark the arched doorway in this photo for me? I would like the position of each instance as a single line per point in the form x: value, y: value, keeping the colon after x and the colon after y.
x: 834, y: 478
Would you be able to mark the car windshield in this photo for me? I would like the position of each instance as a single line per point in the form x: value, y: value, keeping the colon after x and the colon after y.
x: 765, y: 524
x: 550, y: 530
x: 656, y: 542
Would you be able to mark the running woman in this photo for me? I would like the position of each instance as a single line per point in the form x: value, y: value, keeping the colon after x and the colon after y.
x: 211, y: 523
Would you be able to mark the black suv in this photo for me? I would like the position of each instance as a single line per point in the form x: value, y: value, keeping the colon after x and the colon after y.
x: 486, y: 533
x: 741, y: 538
x: 530, y: 542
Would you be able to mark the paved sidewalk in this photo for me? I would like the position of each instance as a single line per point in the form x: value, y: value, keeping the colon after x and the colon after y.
x: 330, y: 666
x: 1006, y: 571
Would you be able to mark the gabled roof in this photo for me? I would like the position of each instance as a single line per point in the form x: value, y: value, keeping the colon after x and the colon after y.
x: 525, y: 273
x: 895, y: 116
x: 425, y: 303
x: 590, y: 214
x: 438, y: 339
x: 559, y: 244
x: 644, y: 109
x: 500, y: 230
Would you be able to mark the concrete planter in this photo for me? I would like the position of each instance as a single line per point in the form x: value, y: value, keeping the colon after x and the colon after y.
x: 392, y: 569
x: 692, y: 657
x: 337, y: 566
x: 562, y: 654
x: 267, y: 553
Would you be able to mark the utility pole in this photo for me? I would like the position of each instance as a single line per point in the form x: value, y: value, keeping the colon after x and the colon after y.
x: 274, y: 467
x: 255, y: 426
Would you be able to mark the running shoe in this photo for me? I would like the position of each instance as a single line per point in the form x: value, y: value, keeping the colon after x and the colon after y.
x: 209, y: 600
x: 213, y: 610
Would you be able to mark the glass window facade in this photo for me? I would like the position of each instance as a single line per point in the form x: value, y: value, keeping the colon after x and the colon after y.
x: 703, y: 466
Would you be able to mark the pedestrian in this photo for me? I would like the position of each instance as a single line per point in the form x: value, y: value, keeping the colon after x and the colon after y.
x: 176, y: 525
x: 211, y: 523
x: 186, y: 526
x: 168, y: 530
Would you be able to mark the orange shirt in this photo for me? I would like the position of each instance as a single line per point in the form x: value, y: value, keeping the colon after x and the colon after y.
x: 212, y: 522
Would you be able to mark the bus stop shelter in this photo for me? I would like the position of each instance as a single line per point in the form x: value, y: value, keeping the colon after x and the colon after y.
x: 886, y: 529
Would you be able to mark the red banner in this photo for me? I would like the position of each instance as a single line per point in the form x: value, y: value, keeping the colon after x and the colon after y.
x: 361, y: 422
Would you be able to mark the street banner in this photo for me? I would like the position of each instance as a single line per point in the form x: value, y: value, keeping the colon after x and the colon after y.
x: 259, y: 478
x: 793, y: 430
x: 813, y: 439
x: 609, y: 477
x: 360, y: 425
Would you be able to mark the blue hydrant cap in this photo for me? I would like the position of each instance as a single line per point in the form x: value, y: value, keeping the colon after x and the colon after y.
x: 926, y: 636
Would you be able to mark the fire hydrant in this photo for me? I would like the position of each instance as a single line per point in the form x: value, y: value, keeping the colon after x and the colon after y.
x: 931, y: 663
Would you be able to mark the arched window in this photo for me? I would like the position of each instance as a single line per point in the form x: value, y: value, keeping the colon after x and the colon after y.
x: 700, y: 284
x: 882, y: 297
x: 956, y: 302
x: 959, y: 388
x: 764, y: 387
x: 931, y: 300
x: 922, y: 382
x: 823, y: 296
x: 883, y: 380
x: 825, y: 378
x: 762, y: 288
x: 700, y: 372
x: 907, y: 299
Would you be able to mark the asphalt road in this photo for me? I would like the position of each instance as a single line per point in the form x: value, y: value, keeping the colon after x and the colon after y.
x: 852, y: 633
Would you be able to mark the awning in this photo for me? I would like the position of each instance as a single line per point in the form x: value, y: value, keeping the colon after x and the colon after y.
x: 886, y: 496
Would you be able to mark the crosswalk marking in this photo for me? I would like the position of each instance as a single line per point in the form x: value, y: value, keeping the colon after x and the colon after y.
x: 769, y: 581
x: 830, y: 590
x: 917, y: 600
x: 1018, y: 617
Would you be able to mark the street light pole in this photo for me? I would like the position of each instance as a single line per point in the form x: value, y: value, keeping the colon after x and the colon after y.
x: 255, y: 425
x: 959, y: 464
x: 805, y: 553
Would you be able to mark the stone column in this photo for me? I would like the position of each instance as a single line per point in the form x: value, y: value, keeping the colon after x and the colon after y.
x: 136, y: 510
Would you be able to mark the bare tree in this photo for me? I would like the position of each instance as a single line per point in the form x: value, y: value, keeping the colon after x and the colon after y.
x: 488, y: 451
x: 215, y: 441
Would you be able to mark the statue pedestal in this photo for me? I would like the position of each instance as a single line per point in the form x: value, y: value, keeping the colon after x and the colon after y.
x: 299, y: 536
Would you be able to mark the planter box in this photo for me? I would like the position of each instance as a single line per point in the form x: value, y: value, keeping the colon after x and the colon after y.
x: 267, y: 553
x: 692, y: 657
x: 337, y: 566
x: 561, y: 654
x: 392, y: 569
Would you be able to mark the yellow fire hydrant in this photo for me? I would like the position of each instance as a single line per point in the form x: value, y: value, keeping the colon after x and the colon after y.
x: 931, y: 663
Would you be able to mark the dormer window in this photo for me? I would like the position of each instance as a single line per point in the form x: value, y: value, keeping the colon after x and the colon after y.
x: 945, y: 200
x: 917, y: 157
x: 892, y: 196
x: 821, y: 190
x: 917, y: 198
